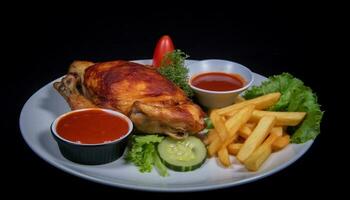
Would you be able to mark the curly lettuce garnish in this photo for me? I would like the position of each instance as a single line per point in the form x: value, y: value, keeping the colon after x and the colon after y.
x: 296, y: 97
x: 144, y: 155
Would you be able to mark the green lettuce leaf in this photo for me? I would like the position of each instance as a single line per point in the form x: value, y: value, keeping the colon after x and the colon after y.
x: 285, y: 83
x: 306, y: 101
x: 296, y: 97
x: 142, y: 153
x: 147, y: 139
x: 161, y: 168
x: 208, y: 123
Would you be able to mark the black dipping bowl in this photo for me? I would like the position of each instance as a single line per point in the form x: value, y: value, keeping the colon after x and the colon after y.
x: 92, y: 154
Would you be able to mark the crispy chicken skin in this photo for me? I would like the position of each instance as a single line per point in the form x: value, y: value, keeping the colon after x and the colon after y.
x: 152, y: 102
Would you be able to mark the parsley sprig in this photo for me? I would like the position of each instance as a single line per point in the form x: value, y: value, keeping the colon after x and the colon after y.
x: 173, y: 68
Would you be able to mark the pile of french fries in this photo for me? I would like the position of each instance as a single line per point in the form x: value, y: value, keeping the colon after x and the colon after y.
x: 248, y: 132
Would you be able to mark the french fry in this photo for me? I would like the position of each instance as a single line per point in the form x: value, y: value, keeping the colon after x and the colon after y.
x: 260, y: 103
x: 218, y: 124
x: 239, y: 140
x: 210, y: 137
x: 245, y: 111
x: 244, y: 131
x: 239, y: 99
x: 224, y: 157
x: 223, y: 119
x: 280, y: 143
x: 258, y: 157
x: 277, y: 130
x: 214, y: 146
x: 235, y: 123
x: 282, y: 118
x: 234, y: 148
x: 231, y: 113
x: 251, y: 125
x: 256, y: 138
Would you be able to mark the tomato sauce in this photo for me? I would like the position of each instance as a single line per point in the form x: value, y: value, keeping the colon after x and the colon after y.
x: 92, y: 127
x: 218, y: 81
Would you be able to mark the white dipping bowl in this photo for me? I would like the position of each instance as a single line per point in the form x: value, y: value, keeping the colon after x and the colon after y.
x: 218, y: 99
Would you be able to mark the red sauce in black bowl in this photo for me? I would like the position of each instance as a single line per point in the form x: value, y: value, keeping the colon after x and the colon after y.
x: 92, y: 127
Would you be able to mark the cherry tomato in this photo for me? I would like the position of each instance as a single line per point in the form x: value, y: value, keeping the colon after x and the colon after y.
x: 164, y: 46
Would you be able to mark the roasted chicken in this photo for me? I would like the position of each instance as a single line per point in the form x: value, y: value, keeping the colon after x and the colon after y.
x: 153, y: 103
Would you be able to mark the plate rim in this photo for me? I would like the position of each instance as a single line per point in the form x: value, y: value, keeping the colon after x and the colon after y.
x: 152, y: 188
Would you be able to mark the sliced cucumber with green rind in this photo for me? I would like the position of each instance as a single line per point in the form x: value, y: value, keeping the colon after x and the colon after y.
x: 182, y: 155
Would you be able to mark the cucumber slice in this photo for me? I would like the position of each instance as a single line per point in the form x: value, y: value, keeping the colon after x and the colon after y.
x: 182, y: 155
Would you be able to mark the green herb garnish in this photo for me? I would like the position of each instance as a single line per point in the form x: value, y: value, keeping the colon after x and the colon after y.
x: 173, y: 68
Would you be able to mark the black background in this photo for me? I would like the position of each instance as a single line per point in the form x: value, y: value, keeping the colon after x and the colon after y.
x: 268, y: 38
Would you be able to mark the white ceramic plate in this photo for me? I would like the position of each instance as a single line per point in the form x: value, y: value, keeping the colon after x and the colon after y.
x: 46, y: 104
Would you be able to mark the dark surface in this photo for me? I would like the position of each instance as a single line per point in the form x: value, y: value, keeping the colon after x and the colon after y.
x: 269, y: 42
